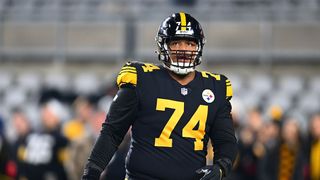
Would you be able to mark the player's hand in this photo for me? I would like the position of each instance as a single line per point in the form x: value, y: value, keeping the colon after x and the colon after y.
x: 210, y: 172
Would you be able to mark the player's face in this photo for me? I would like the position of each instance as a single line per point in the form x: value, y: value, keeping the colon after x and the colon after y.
x: 183, y: 51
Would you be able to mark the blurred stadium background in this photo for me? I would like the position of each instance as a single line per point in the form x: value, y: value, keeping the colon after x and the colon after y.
x: 63, y: 49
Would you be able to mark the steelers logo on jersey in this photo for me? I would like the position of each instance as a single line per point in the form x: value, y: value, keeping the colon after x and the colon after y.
x: 208, y: 96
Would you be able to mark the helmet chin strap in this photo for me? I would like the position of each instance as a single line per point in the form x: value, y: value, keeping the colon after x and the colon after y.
x: 178, y: 70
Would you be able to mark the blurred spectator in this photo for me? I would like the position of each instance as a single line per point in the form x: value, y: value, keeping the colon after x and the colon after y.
x: 269, y: 134
x: 78, y: 127
x: 45, y: 151
x: 248, y: 160
x: 7, y: 169
x: 313, y: 153
x: 286, y: 160
x: 22, y: 128
x: 255, y: 120
x: 236, y: 116
x: 82, y: 132
x: 250, y: 148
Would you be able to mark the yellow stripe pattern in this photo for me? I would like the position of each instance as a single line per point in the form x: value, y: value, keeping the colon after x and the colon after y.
x: 287, y: 162
x: 183, y: 21
x: 127, y: 75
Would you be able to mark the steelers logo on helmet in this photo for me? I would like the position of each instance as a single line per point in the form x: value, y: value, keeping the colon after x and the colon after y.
x: 180, y: 26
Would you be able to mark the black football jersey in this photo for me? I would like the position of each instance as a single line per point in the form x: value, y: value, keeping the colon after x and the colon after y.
x: 173, y: 122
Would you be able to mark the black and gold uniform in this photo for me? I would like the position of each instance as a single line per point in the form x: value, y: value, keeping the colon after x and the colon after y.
x: 171, y: 123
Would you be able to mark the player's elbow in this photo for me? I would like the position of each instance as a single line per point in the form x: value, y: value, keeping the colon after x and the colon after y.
x: 112, y: 134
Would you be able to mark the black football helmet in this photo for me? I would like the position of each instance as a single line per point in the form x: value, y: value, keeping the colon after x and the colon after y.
x: 180, y: 26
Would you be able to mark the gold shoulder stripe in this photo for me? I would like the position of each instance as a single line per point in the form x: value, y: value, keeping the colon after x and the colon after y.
x: 128, y: 71
x: 128, y: 67
x: 127, y: 75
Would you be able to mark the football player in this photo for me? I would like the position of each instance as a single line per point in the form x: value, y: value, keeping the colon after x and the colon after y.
x: 173, y: 110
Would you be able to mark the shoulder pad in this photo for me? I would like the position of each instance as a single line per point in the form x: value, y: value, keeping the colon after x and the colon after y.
x: 223, y: 79
x: 127, y: 75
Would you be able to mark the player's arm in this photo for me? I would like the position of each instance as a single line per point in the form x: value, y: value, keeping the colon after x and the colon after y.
x: 222, y: 133
x: 223, y: 138
x: 119, y: 119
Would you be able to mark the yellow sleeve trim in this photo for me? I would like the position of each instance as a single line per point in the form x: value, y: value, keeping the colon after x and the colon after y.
x: 229, y: 91
x: 127, y: 75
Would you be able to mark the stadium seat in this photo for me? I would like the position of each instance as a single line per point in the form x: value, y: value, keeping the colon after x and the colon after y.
x: 314, y: 84
x: 237, y: 83
x: 291, y: 84
x: 57, y: 81
x: 309, y: 103
x: 14, y: 96
x: 30, y: 82
x: 261, y: 84
x: 280, y: 98
x: 6, y: 80
x: 86, y: 84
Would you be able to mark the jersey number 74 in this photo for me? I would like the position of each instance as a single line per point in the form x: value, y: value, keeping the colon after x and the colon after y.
x: 200, y: 116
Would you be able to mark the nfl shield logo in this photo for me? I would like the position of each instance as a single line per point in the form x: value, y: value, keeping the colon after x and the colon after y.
x: 184, y: 91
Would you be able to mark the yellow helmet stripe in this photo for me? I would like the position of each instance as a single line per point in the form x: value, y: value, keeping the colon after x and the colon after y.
x: 183, y: 21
